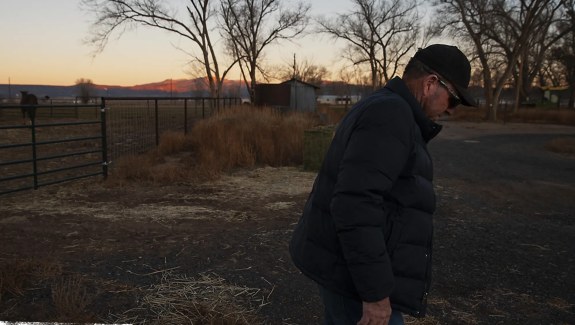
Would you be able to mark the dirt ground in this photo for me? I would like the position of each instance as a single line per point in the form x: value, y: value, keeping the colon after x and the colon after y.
x: 88, y: 252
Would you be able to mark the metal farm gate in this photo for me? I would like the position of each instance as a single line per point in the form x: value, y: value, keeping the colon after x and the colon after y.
x: 37, y: 149
x: 60, y: 143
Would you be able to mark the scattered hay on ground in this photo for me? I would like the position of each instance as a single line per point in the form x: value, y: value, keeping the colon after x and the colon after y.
x: 207, y: 299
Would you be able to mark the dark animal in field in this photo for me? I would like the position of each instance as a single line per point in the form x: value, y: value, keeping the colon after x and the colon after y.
x: 28, y: 103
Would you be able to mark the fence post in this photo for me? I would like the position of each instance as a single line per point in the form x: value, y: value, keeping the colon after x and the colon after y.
x: 185, y: 116
x: 104, y: 138
x: 34, y: 147
x: 157, y: 122
x: 203, y: 108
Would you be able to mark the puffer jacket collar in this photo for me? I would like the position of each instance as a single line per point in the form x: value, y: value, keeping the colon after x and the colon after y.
x: 429, y: 129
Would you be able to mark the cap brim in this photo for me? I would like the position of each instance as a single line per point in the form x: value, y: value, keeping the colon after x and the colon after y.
x: 466, y: 98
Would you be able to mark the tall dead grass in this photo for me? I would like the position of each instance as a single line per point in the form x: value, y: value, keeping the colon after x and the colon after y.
x: 564, y: 145
x: 245, y: 137
x: 71, y: 299
x: 241, y: 137
x: 524, y: 115
x: 16, y: 275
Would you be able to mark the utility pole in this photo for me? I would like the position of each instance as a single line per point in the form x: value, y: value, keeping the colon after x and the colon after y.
x: 9, y: 90
x: 294, y: 68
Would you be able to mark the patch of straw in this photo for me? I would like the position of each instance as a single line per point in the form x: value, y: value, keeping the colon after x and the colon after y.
x: 207, y: 299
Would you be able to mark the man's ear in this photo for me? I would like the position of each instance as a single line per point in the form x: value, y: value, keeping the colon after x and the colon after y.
x: 429, y: 84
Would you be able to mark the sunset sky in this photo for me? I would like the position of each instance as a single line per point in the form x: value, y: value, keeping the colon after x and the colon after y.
x: 42, y: 42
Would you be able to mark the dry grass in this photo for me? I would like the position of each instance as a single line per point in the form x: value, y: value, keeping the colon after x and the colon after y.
x: 564, y: 145
x: 18, y: 275
x: 524, y: 115
x: 234, y: 138
x: 71, y: 294
x: 246, y: 137
x: 71, y: 299
x: 205, y: 300
x: 172, y: 142
x: 332, y: 114
x: 552, y: 116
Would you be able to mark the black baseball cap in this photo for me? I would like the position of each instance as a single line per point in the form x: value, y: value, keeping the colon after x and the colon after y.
x: 450, y: 63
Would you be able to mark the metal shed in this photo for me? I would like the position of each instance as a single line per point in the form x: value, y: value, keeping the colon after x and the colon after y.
x: 292, y: 94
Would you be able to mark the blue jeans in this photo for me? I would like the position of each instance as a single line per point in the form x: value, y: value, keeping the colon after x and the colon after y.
x: 340, y: 310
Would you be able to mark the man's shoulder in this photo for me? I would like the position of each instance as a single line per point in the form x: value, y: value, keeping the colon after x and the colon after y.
x: 385, y: 101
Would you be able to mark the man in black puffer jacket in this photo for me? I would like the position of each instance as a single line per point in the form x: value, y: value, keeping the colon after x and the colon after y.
x: 365, y: 235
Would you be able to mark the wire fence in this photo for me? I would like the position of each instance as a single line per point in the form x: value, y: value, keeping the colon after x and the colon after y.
x: 48, y: 144
x: 135, y: 124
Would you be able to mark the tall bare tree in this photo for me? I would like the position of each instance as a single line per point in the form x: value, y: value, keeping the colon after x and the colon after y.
x: 380, y: 33
x: 500, y: 33
x: 116, y: 16
x: 542, y: 35
x: 250, y: 26
x: 564, y: 52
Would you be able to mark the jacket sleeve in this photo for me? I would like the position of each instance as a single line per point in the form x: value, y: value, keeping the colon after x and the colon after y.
x: 375, y: 155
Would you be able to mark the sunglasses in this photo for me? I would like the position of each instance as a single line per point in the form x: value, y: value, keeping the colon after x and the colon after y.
x: 454, y: 100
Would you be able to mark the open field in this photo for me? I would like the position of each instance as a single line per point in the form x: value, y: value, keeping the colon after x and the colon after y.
x: 217, y: 251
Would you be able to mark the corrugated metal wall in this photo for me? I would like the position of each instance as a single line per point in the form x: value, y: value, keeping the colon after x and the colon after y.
x: 291, y: 94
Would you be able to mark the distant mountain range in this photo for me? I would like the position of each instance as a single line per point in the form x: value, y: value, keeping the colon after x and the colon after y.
x: 168, y: 88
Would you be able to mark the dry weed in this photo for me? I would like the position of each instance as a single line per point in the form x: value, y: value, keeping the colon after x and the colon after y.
x: 71, y: 299
x: 564, y: 145
x: 233, y: 138
x: 172, y: 142
x: 523, y: 115
x: 249, y: 137
x: 207, y: 299
x: 17, y: 275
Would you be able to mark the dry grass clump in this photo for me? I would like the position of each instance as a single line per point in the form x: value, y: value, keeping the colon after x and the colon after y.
x: 565, y: 145
x: 172, y: 142
x: 207, y: 299
x: 16, y: 275
x: 553, y: 116
x: 71, y: 299
x: 162, y: 165
x: 332, y: 114
x: 524, y: 115
x: 241, y: 137
x: 246, y: 137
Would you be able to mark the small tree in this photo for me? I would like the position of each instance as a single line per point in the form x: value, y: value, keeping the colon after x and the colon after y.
x: 85, y: 89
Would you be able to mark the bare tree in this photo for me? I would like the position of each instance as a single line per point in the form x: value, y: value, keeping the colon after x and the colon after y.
x: 116, y: 16
x: 542, y: 35
x: 563, y: 54
x: 303, y: 70
x: 500, y: 33
x: 250, y: 26
x: 381, y: 34
x: 86, y: 89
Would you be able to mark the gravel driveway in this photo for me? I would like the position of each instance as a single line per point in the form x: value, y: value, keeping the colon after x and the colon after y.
x: 504, y: 238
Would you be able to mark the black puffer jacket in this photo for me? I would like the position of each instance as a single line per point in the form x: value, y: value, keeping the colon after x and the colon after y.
x: 366, y: 230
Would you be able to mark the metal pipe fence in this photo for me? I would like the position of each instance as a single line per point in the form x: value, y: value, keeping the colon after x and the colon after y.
x: 60, y: 143
x: 36, y: 151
